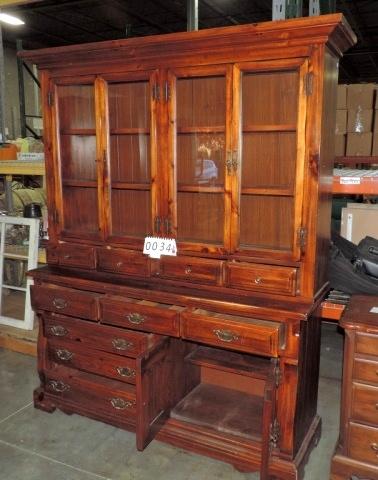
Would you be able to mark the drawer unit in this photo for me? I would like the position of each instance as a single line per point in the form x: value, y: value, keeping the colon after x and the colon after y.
x: 190, y: 269
x: 68, y: 255
x: 127, y: 262
x: 65, y: 300
x: 140, y: 315
x: 262, y: 278
x: 99, y: 337
x: 364, y: 406
x: 251, y: 335
x: 366, y: 370
x: 363, y: 443
x: 367, y: 343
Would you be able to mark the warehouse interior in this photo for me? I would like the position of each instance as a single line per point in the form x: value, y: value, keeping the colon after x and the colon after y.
x: 74, y: 442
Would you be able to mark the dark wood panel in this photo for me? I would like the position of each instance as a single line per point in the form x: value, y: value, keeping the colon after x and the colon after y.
x: 80, y: 212
x: 127, y: 262
x: 129, y: 104
x: 76, y: 106
x: 131, y: 213
x: 71, y: 255
x: 130, y: 158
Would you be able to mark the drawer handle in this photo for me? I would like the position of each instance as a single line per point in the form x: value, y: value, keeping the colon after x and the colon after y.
x: 226, y: 335
x: 64, y: 354
x: 126, y: 372
x: 120, y: 403
x: 121, y: 344
x: 59, y: 303
x: 258, y: 280
x: 58, y: 386
x: 135, y: 318
x: 58, y: 331
x: 67, y: 256
x: 119, y: 264
x: 374, y: 446
x: 188, y: 269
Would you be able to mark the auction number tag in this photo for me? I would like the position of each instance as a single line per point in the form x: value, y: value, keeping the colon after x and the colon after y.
x: 156, y: 246
x: 350, y: 180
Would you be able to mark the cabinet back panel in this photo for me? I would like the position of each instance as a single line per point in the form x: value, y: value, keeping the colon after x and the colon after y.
x: 131, y: 212
x: 130, y: 158
x: 76, y: 106
x: 129, y: 105
x: 78, y: 157
x: 80, y: 210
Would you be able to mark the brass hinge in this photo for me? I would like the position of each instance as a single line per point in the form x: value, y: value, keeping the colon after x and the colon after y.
x: 156, y: 92
x: 232, y: 161
x: 50, y: 98
x: 274, y: 434
x: 302, y: 237
x: 167, y: 92
x: 277, y: 375
x: 309, y: 83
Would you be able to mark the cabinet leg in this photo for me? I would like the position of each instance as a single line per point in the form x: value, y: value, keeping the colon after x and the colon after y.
x: 41, y: 402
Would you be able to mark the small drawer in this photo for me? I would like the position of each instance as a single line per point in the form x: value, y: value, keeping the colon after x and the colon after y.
x: 127, y: 262
x: 364, y: 406
x: 366, y: 343
x: 64, y: 300
x: 98, y: 394
x: 260, y: 337
x: 363, y: 443
x: 365, y: 370
x: 99, y: 337
x: 189, y: 269
x: 92, y: 361
x: 140, y: 315
x: 69, y: 255
x: 262, y: 278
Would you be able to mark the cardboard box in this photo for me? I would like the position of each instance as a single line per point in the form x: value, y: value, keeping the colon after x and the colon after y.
x: 341, y: 96
x: 341, y: 121
x: 359, y: 144
x: 360, y: 121
x: 359, y: 220
x: 360, y: 95
x: 340, y: 142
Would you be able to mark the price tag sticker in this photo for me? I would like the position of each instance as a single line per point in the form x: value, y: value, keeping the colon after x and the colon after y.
x: 155, y: 247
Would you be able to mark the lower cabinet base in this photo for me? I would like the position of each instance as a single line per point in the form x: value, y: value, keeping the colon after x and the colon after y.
x: 345, y: 468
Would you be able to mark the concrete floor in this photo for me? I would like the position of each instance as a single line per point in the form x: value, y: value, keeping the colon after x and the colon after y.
x: 35, y: 445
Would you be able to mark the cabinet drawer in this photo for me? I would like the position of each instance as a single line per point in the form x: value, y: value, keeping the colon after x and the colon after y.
x: 363, y: 443
x: 99, y: 337
x: 92, y: 361
x: 98, y: 394
x: 140, y: 315
x: 366, y: 343
x: 365, y: 370
x: 126, y: 262
x: 189, y: 269
x: 262, y: 278
x: 236, y: 333
x: 365, y: 403
x: 68, y: 255
x: 65, y: 300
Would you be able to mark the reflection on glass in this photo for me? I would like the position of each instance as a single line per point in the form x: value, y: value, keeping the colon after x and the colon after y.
x: 76, y: 107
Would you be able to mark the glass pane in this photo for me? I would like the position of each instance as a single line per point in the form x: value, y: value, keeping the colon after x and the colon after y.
x: 267, y: 221
x: 76, y: 106
x: 200, y: 217
x: 131, y: 213
x: 129, y: 105
x: 270, y: 98
x: 201, y: 101
x: 200, y: 159
x: 269, y: 160
x: 78, y: 157
x: 80, y: 210
x: 13, y: 302
x: 130, y: 158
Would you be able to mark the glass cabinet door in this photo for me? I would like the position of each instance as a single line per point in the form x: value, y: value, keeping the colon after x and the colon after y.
x: 200, y: 108
x: 77, y: 157
x: 269, y: 122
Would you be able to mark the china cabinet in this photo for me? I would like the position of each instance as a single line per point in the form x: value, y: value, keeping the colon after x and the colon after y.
x: 222, y: 140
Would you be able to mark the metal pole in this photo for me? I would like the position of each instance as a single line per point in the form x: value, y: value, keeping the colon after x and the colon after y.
x: 21, y: 90
x: 192, y: 14
x: 2, y: 90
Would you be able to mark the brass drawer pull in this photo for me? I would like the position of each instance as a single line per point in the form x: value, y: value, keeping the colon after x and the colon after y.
x: 119, y: 264
x: 67, y: 256
x: 126, y: 372
x: 58, y: 386
x: 59, y: 303
x: 226, y: 335
x: 258, y: 280
x: 135, y: 318
x: 120, y: 403
x: 64, y: 354
x: 374, y: 446
x: 121, y: 344
x: 188, y: 269
x: 58, y: 331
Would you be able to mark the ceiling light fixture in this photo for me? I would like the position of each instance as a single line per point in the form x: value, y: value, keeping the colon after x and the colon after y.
x: 4, y: 17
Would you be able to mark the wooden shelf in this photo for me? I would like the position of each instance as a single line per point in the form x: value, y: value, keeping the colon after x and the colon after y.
x: 355, y: 181
x: 20, y: 167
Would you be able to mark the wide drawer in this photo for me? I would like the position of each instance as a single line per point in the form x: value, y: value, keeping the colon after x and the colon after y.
x: 68, y: 255
x: 95, y: 393
x: 140, y: 315
x: 363, y: 443
x: 365, y: 403
x: 365, y: 370
x: 262, y: 278
x: 92, y: 361
x: 99, y: 337
x: 65, y: 300
x: 189, y: 269
x: 126, y: 262
x: 366, y: 343
x: 229, y: 331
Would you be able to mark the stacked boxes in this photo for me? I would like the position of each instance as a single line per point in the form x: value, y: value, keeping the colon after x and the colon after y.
x: 354, y: 119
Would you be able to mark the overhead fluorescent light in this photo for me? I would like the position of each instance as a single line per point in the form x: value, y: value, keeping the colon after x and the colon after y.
x: 4, y: 17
